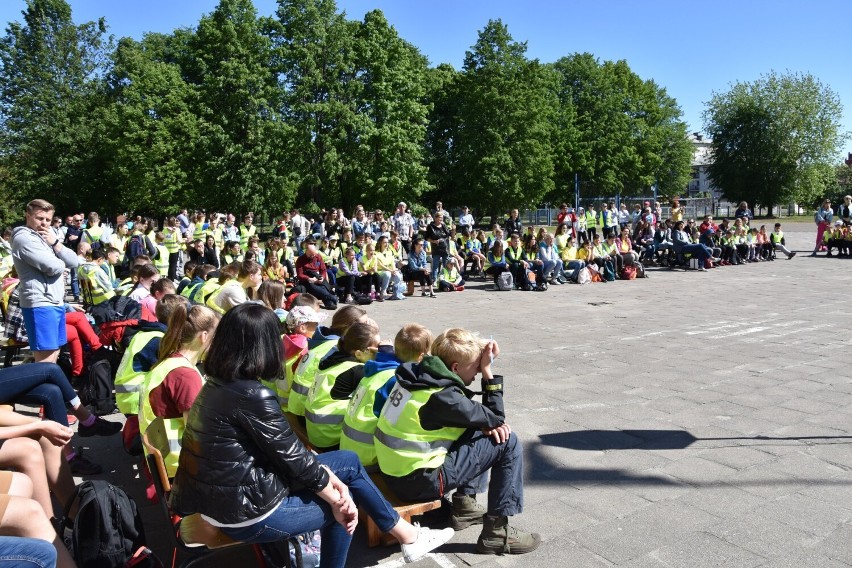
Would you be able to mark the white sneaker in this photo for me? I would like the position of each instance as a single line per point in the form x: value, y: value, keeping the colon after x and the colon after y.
x: 427, y: 540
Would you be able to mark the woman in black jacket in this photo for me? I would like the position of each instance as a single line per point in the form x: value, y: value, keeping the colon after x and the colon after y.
x: 246, y: 472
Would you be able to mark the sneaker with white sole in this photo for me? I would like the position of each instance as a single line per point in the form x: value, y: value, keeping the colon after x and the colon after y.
x: 427, y: 541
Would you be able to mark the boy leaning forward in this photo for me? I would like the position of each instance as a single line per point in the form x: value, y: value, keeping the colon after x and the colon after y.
x: 432, y: 438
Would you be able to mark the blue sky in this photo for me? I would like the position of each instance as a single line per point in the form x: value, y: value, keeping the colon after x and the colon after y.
x: 690, y: 48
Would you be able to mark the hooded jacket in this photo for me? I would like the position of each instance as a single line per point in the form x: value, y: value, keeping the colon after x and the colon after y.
x: 40, y: 268
x: 452, y: 405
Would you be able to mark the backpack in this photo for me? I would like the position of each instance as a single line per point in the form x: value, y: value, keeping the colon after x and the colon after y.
x: 94, y: 243
x: 608, y: 271
x: 584, y: 276
x: 108, y: 530
x: 505, y: 282
x: 529, y: 280
x: 640, y: 270
x: 97, y: 392
x: 628, y: 273
x: 135, y: 247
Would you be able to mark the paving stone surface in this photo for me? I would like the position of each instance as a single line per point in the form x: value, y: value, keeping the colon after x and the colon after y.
x: 690, y: 419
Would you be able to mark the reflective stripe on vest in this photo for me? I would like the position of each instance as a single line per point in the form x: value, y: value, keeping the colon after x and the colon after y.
x: 303, y: 378
x: 172, y: 240
x: 128, y: 381
x: 218, y: 236
x: 245, y: 234
x: 324, y: 414
x: 283, y: 383
x: 402, y: 444
x: 162, y: 260
x: 412, y: 445
x: 359, y: 424
x: 356, y: 436
x: 99, y: 294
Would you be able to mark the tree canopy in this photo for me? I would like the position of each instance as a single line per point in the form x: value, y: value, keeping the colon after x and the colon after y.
x: 775, y: 140
x: 307, y: 107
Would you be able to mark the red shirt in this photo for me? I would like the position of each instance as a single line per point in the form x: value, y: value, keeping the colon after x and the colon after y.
x: 295, y: 344
x: 176, y: 393
x: 315, y: 265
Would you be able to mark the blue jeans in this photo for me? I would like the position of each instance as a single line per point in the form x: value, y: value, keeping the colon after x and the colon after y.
x: 473, y: 456
x: 38, y: 383
x: 466, y: 469
x: 574, y: 267
x: 699, y: 251
x: 20, y: 552
x: 75, y: 283
x: 303, y: 511
x: 438, y: 261
x: 552, y: 269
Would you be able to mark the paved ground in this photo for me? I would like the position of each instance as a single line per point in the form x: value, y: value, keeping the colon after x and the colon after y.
x: 690, y: 419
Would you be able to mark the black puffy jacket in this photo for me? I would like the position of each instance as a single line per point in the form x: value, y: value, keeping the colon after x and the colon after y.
x: 239, y: 457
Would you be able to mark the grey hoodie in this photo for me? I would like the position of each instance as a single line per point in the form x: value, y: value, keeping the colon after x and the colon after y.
x: 40, y: 269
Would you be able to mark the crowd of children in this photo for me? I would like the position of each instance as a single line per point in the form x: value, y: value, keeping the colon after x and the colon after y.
x: 404, y: 407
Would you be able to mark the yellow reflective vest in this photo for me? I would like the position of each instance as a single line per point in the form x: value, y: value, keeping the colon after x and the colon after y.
x: 324, y: 414
x: 402, y: 444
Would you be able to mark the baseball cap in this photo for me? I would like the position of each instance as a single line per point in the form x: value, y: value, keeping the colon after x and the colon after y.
x: 303, y: 314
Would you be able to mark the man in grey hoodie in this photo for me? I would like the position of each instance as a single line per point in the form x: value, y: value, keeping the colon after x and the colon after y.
x: 40, y: 260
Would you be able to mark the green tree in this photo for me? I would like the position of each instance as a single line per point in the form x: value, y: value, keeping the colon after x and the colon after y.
x: 620, y: 133
x: 774, y: 140
x: 152, y: 127
x: 51, y: 100
x: 240, y: 157
x: 385, y: 159
x: 314, y: 59
x: 507, y: 105
x: 442, y: 99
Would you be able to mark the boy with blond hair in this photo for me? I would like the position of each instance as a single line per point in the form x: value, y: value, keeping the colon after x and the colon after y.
x: 359, y: 424
x: 432, y: 438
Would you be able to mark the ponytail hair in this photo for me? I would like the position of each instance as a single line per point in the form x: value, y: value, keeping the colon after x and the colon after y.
x: 359, y: 337
x: 184, y: 324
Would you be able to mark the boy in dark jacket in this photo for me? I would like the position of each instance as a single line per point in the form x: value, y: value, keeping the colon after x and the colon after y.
x: 432, y: 438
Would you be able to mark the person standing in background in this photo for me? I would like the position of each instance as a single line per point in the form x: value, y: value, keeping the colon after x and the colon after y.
x: 40, y: 259
x: 403, y: 224
x: 822, y: 218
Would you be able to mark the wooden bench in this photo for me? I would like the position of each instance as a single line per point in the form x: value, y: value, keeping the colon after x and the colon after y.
x: 406, y: 510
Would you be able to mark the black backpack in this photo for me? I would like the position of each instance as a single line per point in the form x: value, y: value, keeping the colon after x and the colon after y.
x: 96, y: 244
x: 135, y: 247
x: 97, y: 392
x: 108, y: 530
